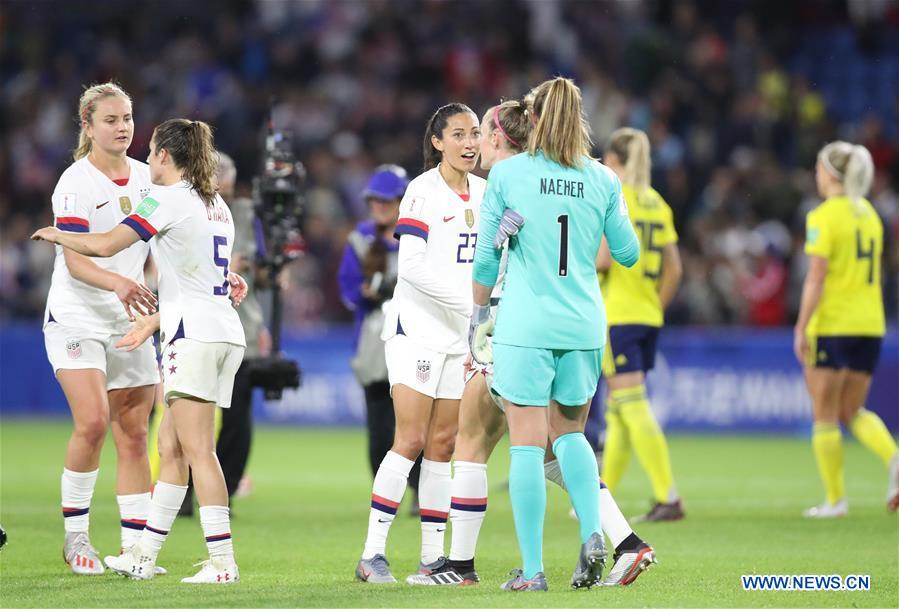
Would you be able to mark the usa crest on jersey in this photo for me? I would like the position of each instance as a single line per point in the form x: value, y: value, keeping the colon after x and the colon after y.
x: 125, y: 205
x: 423, y: 370
x: 469, y: 218
x: 73, y: 348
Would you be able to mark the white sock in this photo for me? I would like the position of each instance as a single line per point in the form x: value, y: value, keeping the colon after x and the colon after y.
x: 216, y: 522
x: 77, y: 491
x: 468, y: 507
x: 434, y: 503
x: 553, y: 473
x: 614, y: 524
x: 164, y: 505
x: 386, y: 495
x: 133, y: 510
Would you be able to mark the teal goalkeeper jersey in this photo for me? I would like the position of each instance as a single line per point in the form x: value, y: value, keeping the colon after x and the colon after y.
x: 551, y: 296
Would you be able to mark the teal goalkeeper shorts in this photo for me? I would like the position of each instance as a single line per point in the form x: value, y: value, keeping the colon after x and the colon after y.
x: 529, y: 376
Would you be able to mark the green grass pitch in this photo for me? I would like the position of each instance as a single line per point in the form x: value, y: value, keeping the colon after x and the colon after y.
x: 298, y: 536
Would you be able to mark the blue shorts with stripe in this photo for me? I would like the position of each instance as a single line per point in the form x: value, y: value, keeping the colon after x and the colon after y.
x: 631, y: 348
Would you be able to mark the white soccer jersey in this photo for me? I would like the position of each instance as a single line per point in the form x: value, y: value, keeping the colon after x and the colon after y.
x: 86, y: 200
x: 192, y: 249
x: 432, y: 211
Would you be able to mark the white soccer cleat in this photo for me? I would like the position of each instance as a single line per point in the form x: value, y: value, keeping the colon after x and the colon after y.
x: 215, y: 571
x: 893, y: 488
x: 81, y: 556
x: 157, y: 569
x: 828, y: 510
x: 134, y: 563
x: 630, y: 564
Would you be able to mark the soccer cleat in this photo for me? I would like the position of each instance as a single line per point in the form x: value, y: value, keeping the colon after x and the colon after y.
x: 893, y: 489
x: 157, y: 570
x: 427, y: 569
x: 828, y: 510
x: 215, y: 571
x: 630, y: 564
x: 447, y: 574
x: 81, y: 556
x: 134, y: 563
x: 374, y: 570
x: 519, y: 584
x: 662, y: 512
x: 590, y: 562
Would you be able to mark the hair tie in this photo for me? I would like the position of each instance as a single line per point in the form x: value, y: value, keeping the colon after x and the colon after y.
x: 500, y: 127
x: 829, y: 168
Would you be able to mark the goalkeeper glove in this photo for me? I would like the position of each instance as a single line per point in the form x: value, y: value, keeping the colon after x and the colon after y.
x: 509, y: 225
x: 479, y: 331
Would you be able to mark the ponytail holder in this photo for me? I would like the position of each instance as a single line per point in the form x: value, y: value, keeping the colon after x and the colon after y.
x: 500, y: 127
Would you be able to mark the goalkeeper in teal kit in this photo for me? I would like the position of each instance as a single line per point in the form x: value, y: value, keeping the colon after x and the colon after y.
x: 550, y: 326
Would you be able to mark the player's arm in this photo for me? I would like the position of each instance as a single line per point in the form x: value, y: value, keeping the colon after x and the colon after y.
x: 672, y: 272
x: 623, y: 243
x: 413, y: 267
x: 812, y: 288
x: 486, y: 256
x: 96, y: 245
x: 129, y: 292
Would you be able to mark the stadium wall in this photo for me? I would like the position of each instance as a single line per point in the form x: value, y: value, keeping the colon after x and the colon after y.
x: 713, y: 380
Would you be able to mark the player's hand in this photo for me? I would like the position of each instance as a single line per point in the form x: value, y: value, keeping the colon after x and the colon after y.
x: 467, y: 365
x: 479, y: 332
x: 135, y: 297
x: 239, y: 288
x: 48, y: 233
x: 509, y: 225
x: 144, y: 327
x: 800, y: 346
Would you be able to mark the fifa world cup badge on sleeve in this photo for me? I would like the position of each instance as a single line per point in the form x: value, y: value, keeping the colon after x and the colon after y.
x: 125, y: 205
x: 416, y: 206
x: 423, y: 370
x: 73, y: 348
x: 68, y: 203
x: 469, y: 218
x: 147, y: 207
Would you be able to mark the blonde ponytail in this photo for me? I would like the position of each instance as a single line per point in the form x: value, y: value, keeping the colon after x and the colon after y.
x: 86, y: 106
x: 631, y: 146
x: 851, y: 165
x: 561, y: 131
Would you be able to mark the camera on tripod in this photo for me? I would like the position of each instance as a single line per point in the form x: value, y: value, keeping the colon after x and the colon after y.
x: 278, y: 203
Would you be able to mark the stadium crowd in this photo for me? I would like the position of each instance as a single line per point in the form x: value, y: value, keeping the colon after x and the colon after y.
x: 736, y: 106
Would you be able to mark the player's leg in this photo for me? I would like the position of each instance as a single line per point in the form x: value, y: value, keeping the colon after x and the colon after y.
x: 866, y: 426
x: 85, y: 391
x: 523, y: 377
x: 825, y: 386
x: 617, y: 446
x: 168, y: 495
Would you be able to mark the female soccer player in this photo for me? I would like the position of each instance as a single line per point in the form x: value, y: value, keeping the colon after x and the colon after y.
x: 85, y: 317
x: 569, y: 201
x: 505, y: 131
x: 424, y: 329
x: 203, y: 341
x: 841, y: 321
x: 635, y: 300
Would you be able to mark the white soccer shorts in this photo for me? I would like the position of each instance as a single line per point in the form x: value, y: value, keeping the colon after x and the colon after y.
x: 205, y: 371
x: 76, y: 349
x: 437, y: 375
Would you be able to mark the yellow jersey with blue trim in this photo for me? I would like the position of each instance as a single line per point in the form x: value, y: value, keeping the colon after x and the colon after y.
x: 849, y: 235
x: 632, y: 294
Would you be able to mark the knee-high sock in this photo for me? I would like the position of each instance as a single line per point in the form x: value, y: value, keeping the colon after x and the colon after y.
x: 578, y: 464
x: 617, y: 451
x: 386, y: 495
x: 468, y: 507
x: 828, y: 446
x: 527, y: 490
x: 77, y: 489
x: 164, y: 505
x: 216, y: 523
x: 868, y: 428
x: 434, y: 504
x: 133, y: 510
x: 648, y: 441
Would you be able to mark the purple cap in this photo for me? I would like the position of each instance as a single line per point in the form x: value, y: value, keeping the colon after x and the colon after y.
x: 387, y: 182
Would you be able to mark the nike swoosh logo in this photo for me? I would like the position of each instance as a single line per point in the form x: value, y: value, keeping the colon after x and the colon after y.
x: 382, y: 520
x: 440, y: 530
x: 102, y: 205
x: 445, y: 219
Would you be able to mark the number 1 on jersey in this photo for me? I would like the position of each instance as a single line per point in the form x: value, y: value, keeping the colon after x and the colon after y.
x: 563, y: 245
x: 218, y: 240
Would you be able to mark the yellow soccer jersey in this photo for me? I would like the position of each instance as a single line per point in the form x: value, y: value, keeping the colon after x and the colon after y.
x: 850, y: 237
x: 631, y: 294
